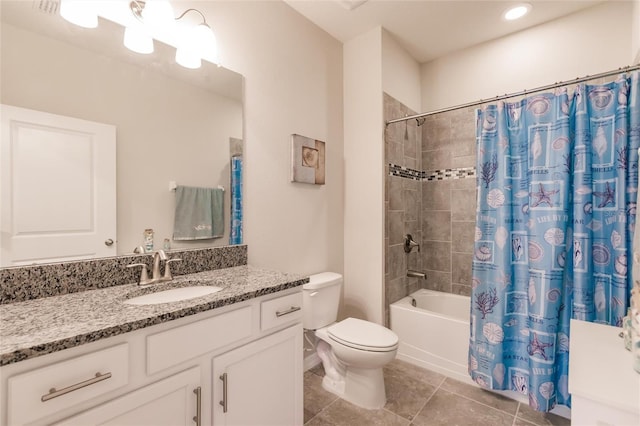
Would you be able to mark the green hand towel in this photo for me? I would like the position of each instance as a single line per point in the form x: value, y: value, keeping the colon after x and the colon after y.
x: 199, y: 213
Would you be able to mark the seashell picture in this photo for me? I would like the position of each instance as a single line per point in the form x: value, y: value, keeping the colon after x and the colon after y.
x: 587, y: 208
x: 616, y: 239
x: 560, y: 143
x: 493, y: 332
x: 601, y: 97
x: 621, y: 264
x: 478, y: 234
x: 501, y: 236
x: 520, y: 383
x: 538, y: 105
x: 535, y: 251
x: 601, y: 254
x: 495, y: 198
x: 483, y: 253
x: 307, y: 160
x: 554, y: 236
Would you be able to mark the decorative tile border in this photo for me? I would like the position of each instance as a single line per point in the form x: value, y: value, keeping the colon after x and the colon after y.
x: 405, y: 172
x: 444, y: 174
x: 457, y: 173
x: 18, y: 284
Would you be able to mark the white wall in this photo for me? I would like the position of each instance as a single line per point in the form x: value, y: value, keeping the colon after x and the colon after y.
x: 635, y: 34
x: 364, y: 177
x: 293, y: 84
x: 400, y: 73
x: 588, y: 42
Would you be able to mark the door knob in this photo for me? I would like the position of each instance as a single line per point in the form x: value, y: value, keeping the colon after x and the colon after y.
x: 108, y: 242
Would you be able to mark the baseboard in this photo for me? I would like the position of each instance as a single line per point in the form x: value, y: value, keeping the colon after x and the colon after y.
x: 311, y: 361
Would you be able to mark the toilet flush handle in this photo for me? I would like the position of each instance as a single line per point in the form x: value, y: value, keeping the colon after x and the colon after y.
x: 313, y: 294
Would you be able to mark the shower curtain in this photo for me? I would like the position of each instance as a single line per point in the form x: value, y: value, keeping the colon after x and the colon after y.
x: 556, y: 207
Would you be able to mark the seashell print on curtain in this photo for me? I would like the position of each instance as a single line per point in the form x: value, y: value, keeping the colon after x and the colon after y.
x: 557, y: 185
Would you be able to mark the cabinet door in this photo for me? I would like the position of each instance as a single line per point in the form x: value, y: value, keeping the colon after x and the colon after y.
x: 172, y: 401
x: 263, y: 381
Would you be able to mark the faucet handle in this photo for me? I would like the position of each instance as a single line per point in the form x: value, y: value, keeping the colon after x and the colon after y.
x: 167, y: 269
x: 144, y: 273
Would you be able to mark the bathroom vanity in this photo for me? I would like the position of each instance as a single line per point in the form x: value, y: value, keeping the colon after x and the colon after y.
x: 231, y: 357
x: 605, y: 390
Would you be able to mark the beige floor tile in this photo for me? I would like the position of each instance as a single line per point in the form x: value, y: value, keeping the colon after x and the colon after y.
x: 541, y: 419
x: 448, y: 409
x: 410, y: 370
x: 342, y: 413
x: 480, y: 395
x: 406, y: 394
x: 315, y: 397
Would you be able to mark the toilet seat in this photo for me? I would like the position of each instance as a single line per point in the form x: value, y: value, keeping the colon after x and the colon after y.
x: 363, y: 335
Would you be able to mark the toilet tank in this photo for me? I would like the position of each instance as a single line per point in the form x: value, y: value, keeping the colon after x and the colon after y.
x: 320, y: 300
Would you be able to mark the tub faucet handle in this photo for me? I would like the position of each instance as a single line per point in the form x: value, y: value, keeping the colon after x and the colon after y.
x: 409, y: 244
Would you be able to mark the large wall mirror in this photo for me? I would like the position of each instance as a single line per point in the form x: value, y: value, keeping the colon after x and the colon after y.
x: 172, y: 124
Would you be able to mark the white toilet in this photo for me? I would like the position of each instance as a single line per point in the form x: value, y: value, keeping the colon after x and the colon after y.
x: 352, y: 351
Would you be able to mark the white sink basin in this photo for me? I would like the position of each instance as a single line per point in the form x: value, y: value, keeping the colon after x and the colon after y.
x: 172, y: 295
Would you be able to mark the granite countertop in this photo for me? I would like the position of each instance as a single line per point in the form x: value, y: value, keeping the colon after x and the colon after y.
x: 41, y: 326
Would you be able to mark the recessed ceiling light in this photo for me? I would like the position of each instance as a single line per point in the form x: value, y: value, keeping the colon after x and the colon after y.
x: 517, y: 11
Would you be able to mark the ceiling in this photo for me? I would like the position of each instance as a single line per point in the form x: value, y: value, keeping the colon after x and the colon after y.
x: 428, y: 29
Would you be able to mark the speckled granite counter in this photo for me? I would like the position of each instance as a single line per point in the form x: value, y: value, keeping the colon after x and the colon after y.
x: 41, y: 326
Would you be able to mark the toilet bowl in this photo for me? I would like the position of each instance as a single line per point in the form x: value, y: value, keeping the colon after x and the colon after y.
x: 353, y: 351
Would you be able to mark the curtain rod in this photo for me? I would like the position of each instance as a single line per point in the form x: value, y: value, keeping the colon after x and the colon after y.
x: 511, y: 95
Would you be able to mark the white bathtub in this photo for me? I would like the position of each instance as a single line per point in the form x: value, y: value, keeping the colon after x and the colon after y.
x: 435, y: 333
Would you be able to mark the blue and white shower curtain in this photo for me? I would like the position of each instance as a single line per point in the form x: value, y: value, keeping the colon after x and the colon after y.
x: 557, y: 183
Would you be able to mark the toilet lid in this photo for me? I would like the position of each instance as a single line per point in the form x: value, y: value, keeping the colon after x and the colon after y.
x: 364, y: 335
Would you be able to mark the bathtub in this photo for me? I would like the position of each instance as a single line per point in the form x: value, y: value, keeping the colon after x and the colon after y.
x: 435, y: 333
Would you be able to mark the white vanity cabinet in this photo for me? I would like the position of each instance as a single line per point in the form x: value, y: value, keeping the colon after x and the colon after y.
x: 258, y: 383
x: 174, y: 401
x: 169, y: 374
x: 605, y: 390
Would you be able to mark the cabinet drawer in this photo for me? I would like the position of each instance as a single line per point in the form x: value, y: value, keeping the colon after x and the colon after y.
x: 282, y: 310
x: 55, y: 387
x: 180, y: 344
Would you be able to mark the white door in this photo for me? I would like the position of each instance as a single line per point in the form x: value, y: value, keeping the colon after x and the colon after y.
x: 173, y: 401
x: 57, y: 188
x: 263, y: 381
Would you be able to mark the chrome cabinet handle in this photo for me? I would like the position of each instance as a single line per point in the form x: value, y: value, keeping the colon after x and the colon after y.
x: 288, y: 311
x: 108, y: 242
x: 198, y: 417
x: 54, y: 393
x: 224, y: 392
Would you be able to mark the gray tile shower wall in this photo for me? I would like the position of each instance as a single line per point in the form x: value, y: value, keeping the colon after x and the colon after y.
x: 449, y: 204
x: 18, y: 284
x: 403, y: 201
x: 432, y: 197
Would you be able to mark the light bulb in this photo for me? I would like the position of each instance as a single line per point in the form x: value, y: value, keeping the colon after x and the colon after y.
x: 206, y: 42
x: 137, y: 40
x: 78, y: 12
x: 188, y: 58
x: 158, y: 14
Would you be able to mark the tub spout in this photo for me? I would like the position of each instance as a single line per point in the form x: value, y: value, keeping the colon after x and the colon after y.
x: 416, y: 274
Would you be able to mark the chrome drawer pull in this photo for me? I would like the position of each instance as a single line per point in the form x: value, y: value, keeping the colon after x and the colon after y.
x: 198, y: 417
x: 288, y: 311
x: 224, y: 392
x: 53, y: 393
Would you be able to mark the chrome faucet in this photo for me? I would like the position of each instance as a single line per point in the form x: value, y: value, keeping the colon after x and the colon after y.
x: 158, y: 256
x: 156, y: 276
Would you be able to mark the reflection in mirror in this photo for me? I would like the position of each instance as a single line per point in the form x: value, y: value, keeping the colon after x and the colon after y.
x: 172, y: 124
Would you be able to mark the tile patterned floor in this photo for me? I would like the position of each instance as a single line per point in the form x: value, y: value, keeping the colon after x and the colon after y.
x: 420, y: 397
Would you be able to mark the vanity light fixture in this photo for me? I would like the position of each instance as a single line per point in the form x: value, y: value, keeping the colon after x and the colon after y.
x: 197, y: 42
x: 517, y: 11
x: 79, y: 12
